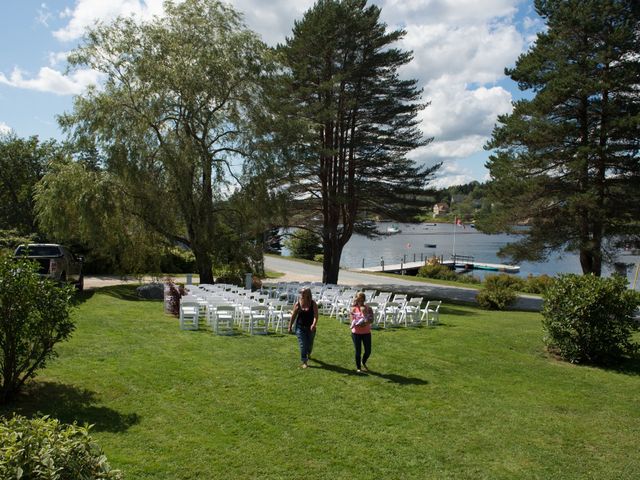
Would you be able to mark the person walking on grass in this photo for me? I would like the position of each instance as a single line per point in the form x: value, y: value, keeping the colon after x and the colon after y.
x: 305, y: 316
x: 361, y: 320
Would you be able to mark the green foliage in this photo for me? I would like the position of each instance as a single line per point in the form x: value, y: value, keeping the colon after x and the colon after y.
x: 34, y: 317
x: 537, y: 284
x: 228, y: 274
x: 589, y: 319
x: 496, y: 295
x: 177, y: 260
x: 437, y: 270
x: 10, y: 239
x: 565, y: 162
x: 504, y: 280
x: 23, y: 162
x: 304, y: 244
x: 45, y: 449
x: 180, y: 107
x: 318, y: 258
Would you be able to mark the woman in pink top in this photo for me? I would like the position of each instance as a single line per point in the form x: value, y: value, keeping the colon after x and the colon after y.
x: 361, y: 320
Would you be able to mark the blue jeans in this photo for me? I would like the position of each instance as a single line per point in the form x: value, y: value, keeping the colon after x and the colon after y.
x: 305, y: 340
x: 360, y: 339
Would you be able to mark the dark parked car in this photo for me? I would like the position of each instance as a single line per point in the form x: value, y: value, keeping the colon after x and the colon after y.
x: 56, y: 262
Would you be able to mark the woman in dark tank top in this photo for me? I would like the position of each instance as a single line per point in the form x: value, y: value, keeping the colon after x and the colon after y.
x: 305, y: 314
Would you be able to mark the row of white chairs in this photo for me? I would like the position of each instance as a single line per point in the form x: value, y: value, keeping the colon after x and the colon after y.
x: 336, y: 301
x: 226, y: 309
x: 392, y: 310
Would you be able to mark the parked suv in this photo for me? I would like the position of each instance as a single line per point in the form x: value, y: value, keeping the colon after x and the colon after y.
x: 56, y: 262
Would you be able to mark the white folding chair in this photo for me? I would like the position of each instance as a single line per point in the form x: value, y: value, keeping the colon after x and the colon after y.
x: 410, y: 314
x: 389, y: 313
x: 189, y: 313
x: 258, y: 319
x: 431, y: 312
x: 223, y: 319
x: 278, y: 315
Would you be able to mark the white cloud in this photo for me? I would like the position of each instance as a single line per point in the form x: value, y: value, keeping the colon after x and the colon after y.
x: 57, y: 58
x: 461, y: 48
x: 457, y: 111
x: 44, y: 15
x: 52, y: 81
x: 87, y: 12
x: 452, y: 174
x: 272, y: 20
x: 458, y: 12
x: 4, y: 128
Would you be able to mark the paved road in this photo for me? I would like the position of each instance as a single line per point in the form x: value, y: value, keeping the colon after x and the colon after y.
x: 302, y: 272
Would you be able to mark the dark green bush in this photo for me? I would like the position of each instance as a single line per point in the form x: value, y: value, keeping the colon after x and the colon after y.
x: 34, y: 317
x: 496, y: 296
x: 178, y: 260
x: 589, y: 319
x: 304, y: 244
x: 43, y: 448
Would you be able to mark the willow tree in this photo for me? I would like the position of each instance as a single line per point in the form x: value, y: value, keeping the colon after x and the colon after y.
x: 567, y: 161
x: 174, y: 117
x: 356, y: 119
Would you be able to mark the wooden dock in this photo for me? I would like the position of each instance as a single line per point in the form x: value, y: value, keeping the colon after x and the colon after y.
x: 411, y: 268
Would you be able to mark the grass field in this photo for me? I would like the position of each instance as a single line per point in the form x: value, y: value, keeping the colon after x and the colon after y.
x: 475, y: 397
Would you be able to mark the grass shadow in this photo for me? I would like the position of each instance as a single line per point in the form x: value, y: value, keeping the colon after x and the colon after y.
x: 626, y: 366
x: 68, y: 403
x: 125, y: 292
x: 81, y: 297
x: 390, y: 377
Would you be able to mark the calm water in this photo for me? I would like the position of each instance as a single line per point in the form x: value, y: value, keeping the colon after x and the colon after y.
x: 416, y: 240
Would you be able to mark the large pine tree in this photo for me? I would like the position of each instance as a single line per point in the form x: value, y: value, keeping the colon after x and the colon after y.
x: 358, y: 123
x: 566, y: 161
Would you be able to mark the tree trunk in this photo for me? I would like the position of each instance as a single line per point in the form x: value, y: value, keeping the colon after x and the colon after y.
x: 204, y: 265
x: 331, y: 261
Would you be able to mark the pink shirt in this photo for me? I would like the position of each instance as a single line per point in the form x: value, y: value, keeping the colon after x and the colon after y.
x: 358, y: 314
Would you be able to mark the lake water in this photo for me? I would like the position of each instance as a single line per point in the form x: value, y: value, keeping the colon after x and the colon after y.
x: 417, y: 240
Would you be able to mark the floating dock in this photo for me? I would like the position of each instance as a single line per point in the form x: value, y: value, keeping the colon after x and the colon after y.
x: 413, y: 267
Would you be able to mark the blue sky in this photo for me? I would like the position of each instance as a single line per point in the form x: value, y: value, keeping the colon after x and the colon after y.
x: 461, y: 48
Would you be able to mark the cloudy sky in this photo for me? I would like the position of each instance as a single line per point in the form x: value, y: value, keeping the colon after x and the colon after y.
x: 461, y: 48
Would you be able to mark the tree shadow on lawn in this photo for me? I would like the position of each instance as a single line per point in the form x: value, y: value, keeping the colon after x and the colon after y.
x: 390, y: 377
x: 125, y: 292
x: 68, y: 404
x: 627, y: 366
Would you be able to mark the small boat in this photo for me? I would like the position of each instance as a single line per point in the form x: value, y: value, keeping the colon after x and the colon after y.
x: 429, y: 245
x: 393, y: 229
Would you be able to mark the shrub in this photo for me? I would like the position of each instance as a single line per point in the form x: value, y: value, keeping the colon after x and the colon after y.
x: 172, y: 301
x: 304, y: 244
x: 437, y: 270
x: 43, y: 448
x: 318, y: 258
x: 229, y: 275
x: 537, y: 284
x: 589, y: 319
x: 496, y: 296
x: 34, y: 316
x: 505, y: 280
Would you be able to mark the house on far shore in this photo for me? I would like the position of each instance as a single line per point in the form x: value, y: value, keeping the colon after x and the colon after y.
x: 440, y: 209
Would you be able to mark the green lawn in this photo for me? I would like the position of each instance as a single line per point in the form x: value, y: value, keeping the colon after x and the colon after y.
x: 475, y: 397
